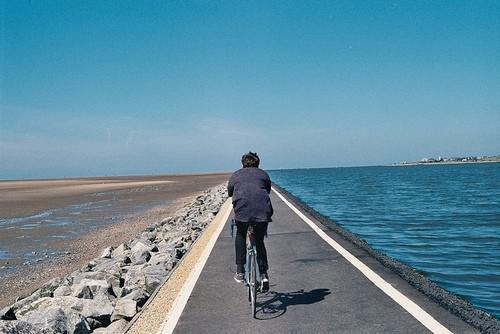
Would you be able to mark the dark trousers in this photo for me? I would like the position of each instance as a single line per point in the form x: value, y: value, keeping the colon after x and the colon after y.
x: 259, y: 231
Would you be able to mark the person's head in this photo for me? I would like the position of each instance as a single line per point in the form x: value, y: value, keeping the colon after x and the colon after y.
x: 250, y: 159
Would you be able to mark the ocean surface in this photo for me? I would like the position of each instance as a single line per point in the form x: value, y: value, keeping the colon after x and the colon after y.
x: 443, y: 220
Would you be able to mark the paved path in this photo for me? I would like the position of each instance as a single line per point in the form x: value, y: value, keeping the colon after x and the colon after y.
x: 314, y: 289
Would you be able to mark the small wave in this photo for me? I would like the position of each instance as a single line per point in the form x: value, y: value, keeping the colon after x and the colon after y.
x: 4, y: 254
x: 17, y: 220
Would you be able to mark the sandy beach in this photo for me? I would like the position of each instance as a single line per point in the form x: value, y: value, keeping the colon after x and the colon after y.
x: 152, y: 197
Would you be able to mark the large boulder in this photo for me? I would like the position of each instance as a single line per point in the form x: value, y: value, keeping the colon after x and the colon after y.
x: 149, y: 235
x: 134, y: 279
x: 160, y: 259
x: 140, y: 296
x: 47, y: 290
x: 101, y: 282
x: 58, y: 320
x: 166, y: 221
x: 179, y: 253
x: 63, y: 290
x: 124, y: 309
x: 141, y: 257
x: 97, y: 312
x: 122, y: 249
x: 88, y: 288
x: 25, y: 301
x: 165, y: 245
x: 106, y: 253
x: 7, y: 313
x: 141, y: 245
x: 116, y: 327
x: 20, y: 327
x: 155, y: 275
x: 114, y: 264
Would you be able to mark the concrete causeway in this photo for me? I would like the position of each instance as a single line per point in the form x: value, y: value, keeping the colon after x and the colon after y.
x: 315, y: 288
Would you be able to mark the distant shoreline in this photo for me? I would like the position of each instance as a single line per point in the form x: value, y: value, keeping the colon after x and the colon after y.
x: 441, y: 163
x: 91, y: 178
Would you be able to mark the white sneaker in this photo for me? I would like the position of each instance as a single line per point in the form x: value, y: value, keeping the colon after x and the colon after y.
x: 240, y: 277
x: 265, y: 282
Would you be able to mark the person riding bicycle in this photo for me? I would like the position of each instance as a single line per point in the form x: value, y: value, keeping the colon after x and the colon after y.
x: 249, y: 188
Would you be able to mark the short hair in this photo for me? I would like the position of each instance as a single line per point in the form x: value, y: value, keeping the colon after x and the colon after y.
x: 250, y: 159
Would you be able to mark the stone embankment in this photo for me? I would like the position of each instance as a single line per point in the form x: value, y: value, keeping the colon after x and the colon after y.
x: 104, y: 295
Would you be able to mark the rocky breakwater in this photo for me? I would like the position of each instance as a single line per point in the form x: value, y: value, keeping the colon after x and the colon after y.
x: 104, y: 295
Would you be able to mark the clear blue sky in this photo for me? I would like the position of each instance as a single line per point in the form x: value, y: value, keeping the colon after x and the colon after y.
x: 125, y: 87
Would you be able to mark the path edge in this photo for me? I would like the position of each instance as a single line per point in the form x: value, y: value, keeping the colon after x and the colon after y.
x: 178, y: 265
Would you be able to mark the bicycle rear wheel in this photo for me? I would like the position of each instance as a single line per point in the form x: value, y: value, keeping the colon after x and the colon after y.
x: 253, y: 284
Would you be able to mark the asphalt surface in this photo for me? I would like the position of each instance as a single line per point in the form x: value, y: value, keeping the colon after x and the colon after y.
x: 313, y: 289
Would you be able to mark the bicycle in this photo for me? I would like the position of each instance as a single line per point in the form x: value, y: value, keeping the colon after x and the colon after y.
x: 252, y: 273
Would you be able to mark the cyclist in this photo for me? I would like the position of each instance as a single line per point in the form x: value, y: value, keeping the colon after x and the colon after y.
x: 249, y: 188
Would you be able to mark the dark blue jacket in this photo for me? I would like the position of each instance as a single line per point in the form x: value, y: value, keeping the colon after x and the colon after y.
x: 250, y: 187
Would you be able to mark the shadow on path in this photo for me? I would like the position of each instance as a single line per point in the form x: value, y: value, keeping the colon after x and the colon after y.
x: 274, y: 304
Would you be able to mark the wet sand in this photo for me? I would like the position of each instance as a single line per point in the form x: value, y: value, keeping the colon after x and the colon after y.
x: 28, y: 197
x: 25, y: 198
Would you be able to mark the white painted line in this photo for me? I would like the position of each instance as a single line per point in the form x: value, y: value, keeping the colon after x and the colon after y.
x: 416, y: 311
x: 175, y: 312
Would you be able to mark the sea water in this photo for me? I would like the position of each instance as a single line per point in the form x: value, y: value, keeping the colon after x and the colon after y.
x: 443, y: 220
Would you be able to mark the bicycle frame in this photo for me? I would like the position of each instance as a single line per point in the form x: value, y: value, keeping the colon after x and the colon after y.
x: 252, y: 273
x: 252, y: 270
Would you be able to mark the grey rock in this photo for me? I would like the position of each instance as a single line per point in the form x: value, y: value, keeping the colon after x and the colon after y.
x: 134, y: 279
x: 171, y: 264
x: 124, y: 309
x: 82, y: 291
x: 140, y: 296
x: 88, y: 288
x: 58, y: 320
x: 179, y: 252
x: 99, y: 310
x: 150, y: 236
x: 155, y: 275
x: 116, y: 327
x: 106, y: 253
x: 195, y: 235
x: 141, y: 257
x: 152, y: 228
x: 165, y: 246
x: 166, y: 220
x: 88, y: 267
x: 122, y: 249
x: 96, y: 311
x: 160, y: 259
x: 142, y: 245
x: 39, y: 304
x: 100, y: 282
x: 7, y: 313
x: 95, y: 275
x: 47, y: 290
x: 113, y: 264
x: 25, y: 301
x: 20, y: 327
x: 63, y: 291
